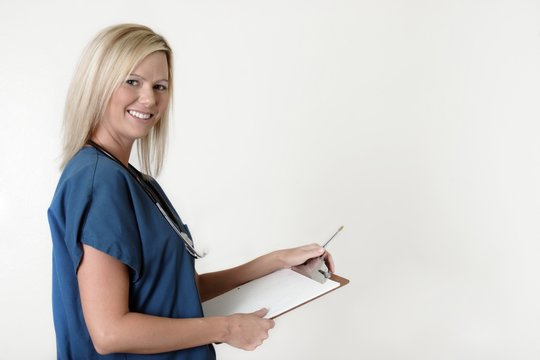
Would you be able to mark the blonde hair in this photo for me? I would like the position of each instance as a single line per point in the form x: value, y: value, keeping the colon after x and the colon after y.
x: 104, y: 65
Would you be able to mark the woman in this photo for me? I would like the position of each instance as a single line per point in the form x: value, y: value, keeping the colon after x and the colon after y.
x: 124, y: 282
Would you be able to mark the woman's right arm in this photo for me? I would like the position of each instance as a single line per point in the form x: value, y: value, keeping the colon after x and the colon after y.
x: 104, y: 288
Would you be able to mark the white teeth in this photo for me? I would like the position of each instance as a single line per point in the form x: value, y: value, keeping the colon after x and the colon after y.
x: 139, y: 115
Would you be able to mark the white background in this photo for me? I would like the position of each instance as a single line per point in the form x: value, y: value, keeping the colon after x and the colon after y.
x: 413, y: 123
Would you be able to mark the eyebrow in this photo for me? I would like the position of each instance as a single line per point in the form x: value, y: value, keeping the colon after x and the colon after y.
x: 139, y: 76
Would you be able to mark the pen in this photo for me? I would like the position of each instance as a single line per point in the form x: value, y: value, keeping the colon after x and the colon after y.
x: 333, y: 236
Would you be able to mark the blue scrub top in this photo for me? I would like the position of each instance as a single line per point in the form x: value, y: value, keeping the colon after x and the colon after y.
x: 98, y: 203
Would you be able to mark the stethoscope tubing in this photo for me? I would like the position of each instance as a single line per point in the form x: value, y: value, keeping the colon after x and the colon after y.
x: 188, y: 242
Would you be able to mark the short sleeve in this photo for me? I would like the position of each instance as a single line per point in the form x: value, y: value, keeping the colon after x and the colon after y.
x: 110, y: 224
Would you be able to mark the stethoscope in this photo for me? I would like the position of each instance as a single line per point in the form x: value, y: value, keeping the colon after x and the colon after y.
x: 156, y: 199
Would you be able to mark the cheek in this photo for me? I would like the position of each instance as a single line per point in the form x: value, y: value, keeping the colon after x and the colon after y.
x: 163, y: 103
x: 121, y: 98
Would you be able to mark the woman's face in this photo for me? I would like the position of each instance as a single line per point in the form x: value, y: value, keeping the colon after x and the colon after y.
x: 139, y: 102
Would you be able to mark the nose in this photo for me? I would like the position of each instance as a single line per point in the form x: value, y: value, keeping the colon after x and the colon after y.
x: 147, y: 97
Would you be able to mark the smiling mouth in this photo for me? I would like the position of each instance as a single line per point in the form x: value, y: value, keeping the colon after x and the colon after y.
x: 140, y: 115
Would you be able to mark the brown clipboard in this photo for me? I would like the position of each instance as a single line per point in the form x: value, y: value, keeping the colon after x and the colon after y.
x: 280, y: 292
x: 340, y: 280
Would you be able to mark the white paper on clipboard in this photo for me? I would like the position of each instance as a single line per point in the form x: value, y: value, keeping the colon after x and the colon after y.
x: 279, y: 292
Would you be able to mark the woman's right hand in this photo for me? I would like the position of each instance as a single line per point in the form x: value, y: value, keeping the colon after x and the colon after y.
x: 248, y: 331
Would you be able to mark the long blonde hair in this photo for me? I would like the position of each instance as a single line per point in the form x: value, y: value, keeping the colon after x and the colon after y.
x: 104, y: 65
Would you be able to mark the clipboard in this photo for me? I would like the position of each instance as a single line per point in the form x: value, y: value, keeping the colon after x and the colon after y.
x: 279, y: 292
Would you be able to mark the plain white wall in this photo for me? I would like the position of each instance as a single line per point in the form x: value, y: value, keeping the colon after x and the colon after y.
x: 413, y: 123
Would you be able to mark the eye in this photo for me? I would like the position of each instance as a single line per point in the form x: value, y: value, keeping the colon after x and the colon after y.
x: 160, y: 87
x: 132, y: 82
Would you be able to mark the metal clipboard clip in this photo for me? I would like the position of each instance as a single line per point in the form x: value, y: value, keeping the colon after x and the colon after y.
x: 315, y: 268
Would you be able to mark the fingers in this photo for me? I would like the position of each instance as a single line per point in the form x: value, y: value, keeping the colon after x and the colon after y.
x: 304, y: 255
x: 307, y: 252
x: 261, y: 312
x: 248, y: 331
x: 329, y: 261
x: 318, y: 250
x: 313, y: 250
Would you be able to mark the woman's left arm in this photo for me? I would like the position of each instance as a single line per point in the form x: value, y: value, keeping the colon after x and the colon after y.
x: 216, y: 283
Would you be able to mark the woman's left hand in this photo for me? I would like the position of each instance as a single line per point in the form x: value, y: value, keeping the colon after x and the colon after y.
x: 299, y: 255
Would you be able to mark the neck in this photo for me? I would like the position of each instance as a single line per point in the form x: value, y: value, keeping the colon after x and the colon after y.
x: 115, y: 148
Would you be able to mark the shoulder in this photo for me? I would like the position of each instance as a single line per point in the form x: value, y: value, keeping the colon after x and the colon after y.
x: 92, y: 167
x: 89, y: 173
